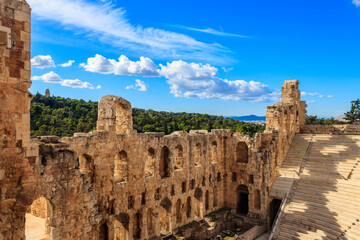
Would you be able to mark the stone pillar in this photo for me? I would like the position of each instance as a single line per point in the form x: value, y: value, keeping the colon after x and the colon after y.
x: 114, y: 114
x: 15, y: 149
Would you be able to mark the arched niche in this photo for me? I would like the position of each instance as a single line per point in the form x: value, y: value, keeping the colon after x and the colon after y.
x: 214, y: 152
x: 39, y: 219
x: 178, y: 157
x: 150, y: 162
x: 242, y: 199
x: 121, y: 170
x: 164, y: 163
x: 242, y: 152
x: 198, y: 155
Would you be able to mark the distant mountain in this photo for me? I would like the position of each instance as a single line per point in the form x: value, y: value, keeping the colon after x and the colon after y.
x: 250, y: 118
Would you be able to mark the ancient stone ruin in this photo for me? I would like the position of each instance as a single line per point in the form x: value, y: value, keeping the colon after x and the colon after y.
x: 115, y: 183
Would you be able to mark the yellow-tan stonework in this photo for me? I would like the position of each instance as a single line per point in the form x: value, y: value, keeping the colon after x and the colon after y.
x: 120, y: 184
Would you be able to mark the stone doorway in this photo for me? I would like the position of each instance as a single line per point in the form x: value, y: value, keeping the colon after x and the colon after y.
x: 38, y: 220
x: 104, y: 232
x: 242, y: 203
x: 274, y: 208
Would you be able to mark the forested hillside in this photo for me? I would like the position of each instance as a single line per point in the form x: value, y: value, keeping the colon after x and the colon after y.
x: 63, y: 117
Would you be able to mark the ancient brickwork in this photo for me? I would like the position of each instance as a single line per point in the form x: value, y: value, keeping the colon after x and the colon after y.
x: 115, y: 183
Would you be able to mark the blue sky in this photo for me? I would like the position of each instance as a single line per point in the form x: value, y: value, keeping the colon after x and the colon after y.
x: 225, y: 57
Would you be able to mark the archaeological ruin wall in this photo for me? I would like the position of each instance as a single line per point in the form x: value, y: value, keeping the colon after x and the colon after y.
x: 115, y: 183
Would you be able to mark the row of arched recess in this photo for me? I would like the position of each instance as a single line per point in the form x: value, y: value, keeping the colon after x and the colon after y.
x: 164, y: 167
x: 242, y: 199
x: 146, y: 220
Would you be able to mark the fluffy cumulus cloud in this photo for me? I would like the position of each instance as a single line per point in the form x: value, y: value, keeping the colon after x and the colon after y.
x: 356, y: 2
x: 52, y: 77
x: 188, y: 80
x: 139, y: 85
x: 123, y: 66
x: 42, y: 61
x: 199, y: 80
x: 315, y: 94
x: 67, y: 64
x: 110, y: 24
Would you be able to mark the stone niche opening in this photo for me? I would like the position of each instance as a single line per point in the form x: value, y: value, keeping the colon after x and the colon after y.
x: 242, y: 154
x: 197, y: 154
x: 178, y: 160
x: 242, y: 199
x: 214, y: 152
x: 104, y: 232
x: 150, y: 163
x: 165, y: 216
x: 164, y: 163
x: 121, y: 170
x: 38, y: 220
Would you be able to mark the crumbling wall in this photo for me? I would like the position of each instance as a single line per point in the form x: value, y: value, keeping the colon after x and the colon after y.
x: 116, y: 182
x: 15, y: 147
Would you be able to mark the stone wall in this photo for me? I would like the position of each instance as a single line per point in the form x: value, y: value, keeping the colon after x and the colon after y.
x: 331, y: 129
x: 115, y: 183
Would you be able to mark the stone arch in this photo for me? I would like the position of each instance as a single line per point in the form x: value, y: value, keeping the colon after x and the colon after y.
x: 121, y: 171
x: 215, y: 197
x: 207, y: 200
x: 178, y: 159
x: 104, y: 232
x: 137, y: 226
x: 164, y: 162
x: 39, y: 215
x: 178, y: 211
x: 242, y: 199
x: 242, y: 152
x: 150, y: 223
x: 150, y: 162
x: 122, y: 226
x: 165, y: 215
x: 257, y: 199
x: 214, y: 152
x: 198, y: 204
x: 188, y: 207
x: 197, y: 154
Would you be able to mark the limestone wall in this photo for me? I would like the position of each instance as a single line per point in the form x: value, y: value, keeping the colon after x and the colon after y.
x: 115, y: 182
x: 331, y: 129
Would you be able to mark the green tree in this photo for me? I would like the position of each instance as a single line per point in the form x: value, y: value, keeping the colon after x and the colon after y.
x: 354, y: 114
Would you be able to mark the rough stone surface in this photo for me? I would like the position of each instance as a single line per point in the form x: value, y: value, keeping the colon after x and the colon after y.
x: 115, y: 183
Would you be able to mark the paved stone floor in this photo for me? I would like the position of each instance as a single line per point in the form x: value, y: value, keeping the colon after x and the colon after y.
x: 34, y: 228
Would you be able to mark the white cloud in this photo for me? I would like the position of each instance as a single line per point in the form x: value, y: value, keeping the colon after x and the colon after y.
x: 52, y: 77
x: 214, y: 32
x: 99, y: 64
x: 198, y: 80
x: 227, y: 69
x: 67, y: 64
x: 42, y: 61
x: 315, y: 94
x: 185, y: 79
x: 311, y: 101
x: 356, y: 2
x: 140, y: 86
x: 110, y: 24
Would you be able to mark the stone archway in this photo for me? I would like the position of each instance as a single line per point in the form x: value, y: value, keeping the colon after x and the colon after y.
x: 165, y: 216
x: 242, y: 199
x: 38, y: 219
